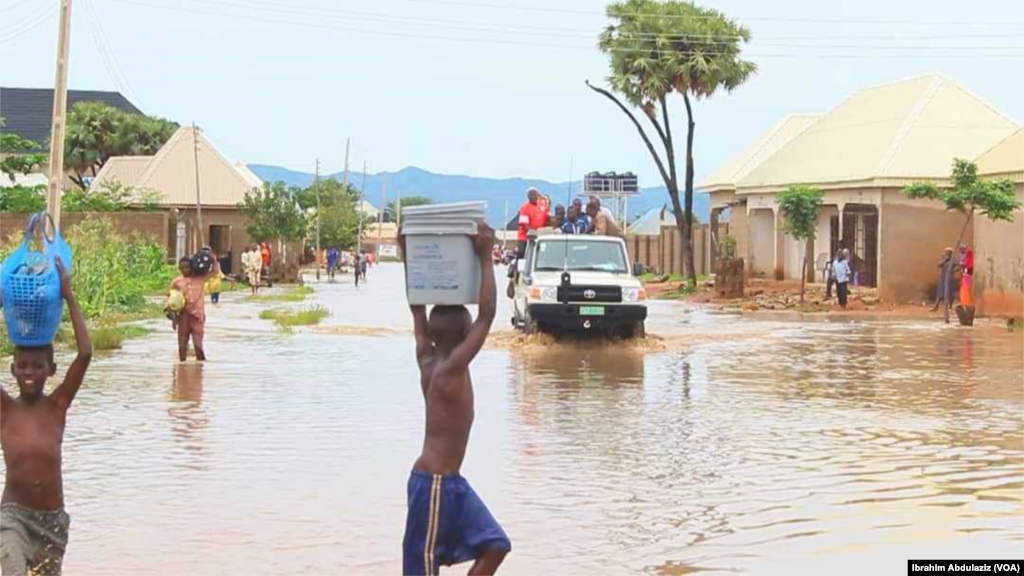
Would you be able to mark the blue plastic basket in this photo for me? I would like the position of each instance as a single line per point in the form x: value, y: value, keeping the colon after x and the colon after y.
x: 30, y: 284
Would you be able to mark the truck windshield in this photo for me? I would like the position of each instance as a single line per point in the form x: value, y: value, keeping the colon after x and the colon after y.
x: 581, y: 255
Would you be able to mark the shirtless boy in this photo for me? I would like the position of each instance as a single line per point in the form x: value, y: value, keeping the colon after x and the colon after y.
x: 447, y: 522
x: 33, y: 524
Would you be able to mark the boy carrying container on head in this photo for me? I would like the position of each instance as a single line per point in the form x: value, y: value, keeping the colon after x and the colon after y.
x: 447, y: 522
x: 192, y: 318
x: 33, y: 523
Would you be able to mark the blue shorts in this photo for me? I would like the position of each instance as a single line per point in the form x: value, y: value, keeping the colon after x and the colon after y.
x: 447, y: 524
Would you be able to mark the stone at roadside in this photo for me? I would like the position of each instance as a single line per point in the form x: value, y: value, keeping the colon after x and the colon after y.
x: 750, y: 307
x: 869, y: 300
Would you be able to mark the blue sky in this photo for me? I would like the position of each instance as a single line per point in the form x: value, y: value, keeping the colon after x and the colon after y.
x: 492, y: 88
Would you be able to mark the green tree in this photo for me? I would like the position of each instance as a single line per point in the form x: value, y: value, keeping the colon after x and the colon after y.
x: 656, y: 48
x: 395, y: 209
x: 273, y: 213
x: 339, y: 217
x: 19, y: 155
x: 801, y: 206
x: 96, y: 131
x: 968, y: 195
x: 22, y: 198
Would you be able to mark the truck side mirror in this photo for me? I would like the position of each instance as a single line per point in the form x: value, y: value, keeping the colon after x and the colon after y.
x: 638, y: 268
x: 521, y: 266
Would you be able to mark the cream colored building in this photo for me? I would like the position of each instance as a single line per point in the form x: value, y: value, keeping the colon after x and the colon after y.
x: 171, y: 173
x: 861, y: 154
x: 999, y: 246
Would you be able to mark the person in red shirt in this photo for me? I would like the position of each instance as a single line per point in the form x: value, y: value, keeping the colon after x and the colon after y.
x: 533, y: 215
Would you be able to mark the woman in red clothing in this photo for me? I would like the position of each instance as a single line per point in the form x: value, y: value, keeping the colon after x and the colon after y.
x: 966, y: 274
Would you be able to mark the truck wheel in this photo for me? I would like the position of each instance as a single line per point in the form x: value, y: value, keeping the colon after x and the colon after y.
x: 530, y: 327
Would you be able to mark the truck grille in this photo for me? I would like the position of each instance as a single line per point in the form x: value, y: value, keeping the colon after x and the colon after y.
x: 590, y: 294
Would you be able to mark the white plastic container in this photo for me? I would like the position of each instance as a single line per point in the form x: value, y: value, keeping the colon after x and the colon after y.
x: 442, y: 268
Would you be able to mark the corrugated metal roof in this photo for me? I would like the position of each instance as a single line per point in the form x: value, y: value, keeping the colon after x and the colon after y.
x: 1005, y: 158
x: 28, y: 112
x: 726, y: 176
x: 650, y: 222
x: 172, y: 173
x: 249, y: 176
x: 905, y: 130
x: 124, y: 169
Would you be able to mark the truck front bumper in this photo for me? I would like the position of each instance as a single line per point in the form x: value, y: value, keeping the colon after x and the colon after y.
x: 567, y: 317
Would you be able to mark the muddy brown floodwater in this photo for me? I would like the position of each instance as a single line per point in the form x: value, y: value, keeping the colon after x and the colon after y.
x: 737, y: 445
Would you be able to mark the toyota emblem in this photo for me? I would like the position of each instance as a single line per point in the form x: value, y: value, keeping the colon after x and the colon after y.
x: 589, y: 294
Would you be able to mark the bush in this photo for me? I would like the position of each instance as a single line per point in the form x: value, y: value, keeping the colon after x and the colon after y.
x: 304, y: 317
x: 727, y: 246
x: 113, y: 272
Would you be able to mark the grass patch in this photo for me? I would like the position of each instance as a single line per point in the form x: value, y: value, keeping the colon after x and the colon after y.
x: 297, y: 294
x: 106, y: 338
x: 651, y: 278
x: 287, y: 319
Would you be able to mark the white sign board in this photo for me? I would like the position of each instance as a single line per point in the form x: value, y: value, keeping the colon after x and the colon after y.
x: 387, y: 251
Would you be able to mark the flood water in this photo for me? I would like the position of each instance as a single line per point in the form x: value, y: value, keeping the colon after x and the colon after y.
x: 763, y: 446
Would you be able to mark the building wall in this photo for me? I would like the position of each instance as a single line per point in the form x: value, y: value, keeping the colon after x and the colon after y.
x: 913, y: 236
x: 236, y: 240
x: 761, y: 226
x: 739, y: 229
x: 999, y: 265
x: 150, y: 224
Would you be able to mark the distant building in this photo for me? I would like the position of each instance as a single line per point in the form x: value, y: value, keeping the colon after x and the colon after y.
x: 999, y: 252
x: 171, y: 174
x: 861, y: 154
x: 28, y: 112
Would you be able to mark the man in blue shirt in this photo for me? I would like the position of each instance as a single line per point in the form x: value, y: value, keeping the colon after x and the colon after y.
x: 841, y: 273
x: 575, y: 223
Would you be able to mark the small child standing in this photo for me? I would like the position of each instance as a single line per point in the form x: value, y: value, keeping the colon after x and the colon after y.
x: 192, y: 319
x: 33, y: 523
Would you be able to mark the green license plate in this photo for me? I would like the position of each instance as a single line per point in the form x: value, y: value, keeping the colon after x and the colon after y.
x: 591, y: 310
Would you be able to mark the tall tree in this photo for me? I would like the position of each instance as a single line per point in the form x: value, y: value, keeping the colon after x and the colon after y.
x: 96, y: 131
x: 19, y: 155
x: 273, y: 213
x: 656, y: 48
x: 801, y: 206
x: 395, y: 209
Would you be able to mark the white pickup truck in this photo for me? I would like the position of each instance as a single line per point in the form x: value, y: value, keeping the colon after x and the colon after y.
x: 573, y: 283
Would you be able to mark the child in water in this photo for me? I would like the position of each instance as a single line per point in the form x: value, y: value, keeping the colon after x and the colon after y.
x: 447, y: 522
x: 33, y: 523
x: 192, y: 318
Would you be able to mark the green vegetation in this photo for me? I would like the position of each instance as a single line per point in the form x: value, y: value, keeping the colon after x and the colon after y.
x: 652, y: 278
x: 396, y: 209
x: 801, y: 206
x: 656, y: 48
x: 20, y: 155
x: 297, y: 294
x: 339, y: 213
x: 286, y: 319
x: 969, y: 194
x: 108, y: 197
x: 96, y: 132
x: 272, y: 212
x: 727, y: 247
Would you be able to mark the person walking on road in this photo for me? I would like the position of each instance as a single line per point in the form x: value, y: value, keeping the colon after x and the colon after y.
x: 841, y: 272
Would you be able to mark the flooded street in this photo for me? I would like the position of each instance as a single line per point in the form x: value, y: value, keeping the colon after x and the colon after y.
x: 764, y: 446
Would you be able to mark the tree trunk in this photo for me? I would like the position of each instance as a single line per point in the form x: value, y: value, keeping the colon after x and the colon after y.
x: 687, y: 228
x: 803, y: 278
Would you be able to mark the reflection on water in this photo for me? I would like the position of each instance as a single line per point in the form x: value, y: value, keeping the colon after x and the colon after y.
x: 819, y: 447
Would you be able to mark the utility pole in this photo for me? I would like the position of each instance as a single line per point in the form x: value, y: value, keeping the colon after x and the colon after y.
x: 346, y: 164
x: 380, y: 213
x: 359, y: 211
x: 504, y: 227
x: 316, y: 187
x: 199, y: 199
x: 60, y: 108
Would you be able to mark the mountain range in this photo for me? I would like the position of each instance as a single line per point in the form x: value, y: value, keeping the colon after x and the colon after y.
x: 442, y: 188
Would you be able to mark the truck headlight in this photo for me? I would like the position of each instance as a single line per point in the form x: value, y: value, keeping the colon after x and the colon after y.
x: 544, y: 294
x: 633, y: 294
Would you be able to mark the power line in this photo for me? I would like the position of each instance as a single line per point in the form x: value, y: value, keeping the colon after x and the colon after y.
x: 292, y: 8
x: 105, y: 47
x: 392, y: 33
x: 40, y: 19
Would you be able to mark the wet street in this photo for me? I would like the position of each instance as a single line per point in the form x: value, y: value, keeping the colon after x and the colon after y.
x: 742, y: 444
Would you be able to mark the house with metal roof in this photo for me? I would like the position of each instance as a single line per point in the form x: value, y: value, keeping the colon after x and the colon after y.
x: 998, y: 246
x: 861, y: 154
x: 721, y: 187
x: 172, y: 175
x: 28, y: 112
